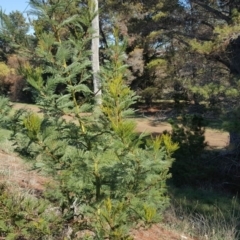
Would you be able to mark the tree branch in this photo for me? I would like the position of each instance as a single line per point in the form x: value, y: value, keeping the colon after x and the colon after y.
x: 104, y: 39
x: 217, y: 13
x: 192, y: 36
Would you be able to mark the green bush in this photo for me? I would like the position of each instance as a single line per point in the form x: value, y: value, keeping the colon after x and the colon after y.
x: 189, y: 167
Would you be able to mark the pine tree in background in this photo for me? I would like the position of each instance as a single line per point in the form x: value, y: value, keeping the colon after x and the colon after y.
x: 13, y: 33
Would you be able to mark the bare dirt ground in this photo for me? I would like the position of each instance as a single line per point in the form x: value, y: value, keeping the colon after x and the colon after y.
x: 214, y: 138
x: 15, y: 172
x: 158, y: 232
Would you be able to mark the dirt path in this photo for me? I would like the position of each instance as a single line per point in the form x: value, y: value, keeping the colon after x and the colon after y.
x: 214, y: 138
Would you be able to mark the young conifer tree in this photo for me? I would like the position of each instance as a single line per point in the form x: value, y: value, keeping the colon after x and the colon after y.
x: 104, y: 179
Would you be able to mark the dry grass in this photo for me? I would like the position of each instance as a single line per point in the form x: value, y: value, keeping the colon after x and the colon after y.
x: 214, y: 226
x: 160, y: 232
x: 17, y: 174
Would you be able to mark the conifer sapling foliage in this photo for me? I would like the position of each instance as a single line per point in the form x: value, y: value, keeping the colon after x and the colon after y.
x: 105, y: 180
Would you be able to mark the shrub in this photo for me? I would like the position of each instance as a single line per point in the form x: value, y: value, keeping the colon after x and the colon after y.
x: 25, y: 217
x: 11, y: 83
x: 190, y: 135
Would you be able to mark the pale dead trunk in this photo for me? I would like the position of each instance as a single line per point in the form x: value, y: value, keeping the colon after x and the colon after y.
x: 95, y: 53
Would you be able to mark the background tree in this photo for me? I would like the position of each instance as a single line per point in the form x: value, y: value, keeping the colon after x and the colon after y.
x: 14, y: 42
x: 147, y: 26
x: 178, y: 49
x: 13, y: 33
x: 212, y: 35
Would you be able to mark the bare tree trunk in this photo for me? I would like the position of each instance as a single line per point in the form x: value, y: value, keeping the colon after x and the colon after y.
x: 95, y: 52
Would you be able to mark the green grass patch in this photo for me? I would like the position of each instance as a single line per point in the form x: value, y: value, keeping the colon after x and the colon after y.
x: 208, y: 202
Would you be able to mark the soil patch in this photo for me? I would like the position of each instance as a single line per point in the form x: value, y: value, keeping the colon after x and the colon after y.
x: 16, y: 173
x: 214, y: 138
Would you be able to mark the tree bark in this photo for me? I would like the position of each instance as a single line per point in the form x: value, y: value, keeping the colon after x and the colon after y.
x: 95, y: 52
